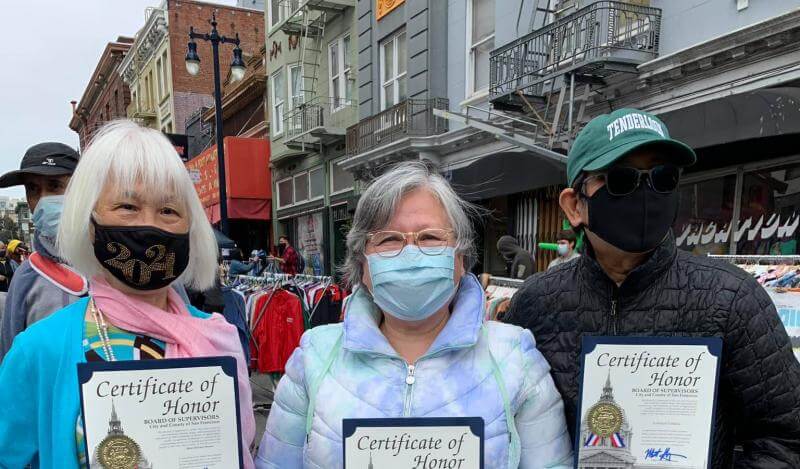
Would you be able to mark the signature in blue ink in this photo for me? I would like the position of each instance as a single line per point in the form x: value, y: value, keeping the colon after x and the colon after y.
x: 661, y: 455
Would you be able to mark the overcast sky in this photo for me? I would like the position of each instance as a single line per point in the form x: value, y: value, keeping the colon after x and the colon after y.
x: 56, y: 46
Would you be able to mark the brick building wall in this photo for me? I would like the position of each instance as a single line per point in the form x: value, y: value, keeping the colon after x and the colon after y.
x: 106, y: 97
x: 190, y: 93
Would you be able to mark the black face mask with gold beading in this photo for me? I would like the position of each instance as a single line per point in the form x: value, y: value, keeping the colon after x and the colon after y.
x: 141, y: 257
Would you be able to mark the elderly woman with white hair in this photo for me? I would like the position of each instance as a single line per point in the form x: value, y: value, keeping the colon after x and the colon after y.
x: 414, y: 342
x: 133, y: 224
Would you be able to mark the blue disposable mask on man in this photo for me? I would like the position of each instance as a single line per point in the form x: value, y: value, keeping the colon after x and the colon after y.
x: 412, y: 286
x: 46, y: 218
x: 563, y: 250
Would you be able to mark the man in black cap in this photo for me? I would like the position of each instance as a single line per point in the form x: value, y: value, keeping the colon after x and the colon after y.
x: 43, y: 284
x: 623, y: 175
x: 45, y: 170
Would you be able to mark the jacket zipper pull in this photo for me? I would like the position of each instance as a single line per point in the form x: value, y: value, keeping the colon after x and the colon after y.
x: 410, y: 376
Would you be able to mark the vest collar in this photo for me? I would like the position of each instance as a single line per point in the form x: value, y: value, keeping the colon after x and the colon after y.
x: 59, y: 275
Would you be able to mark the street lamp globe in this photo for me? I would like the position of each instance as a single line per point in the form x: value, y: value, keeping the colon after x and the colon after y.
x: 238, y: 68
x: 192, y: 59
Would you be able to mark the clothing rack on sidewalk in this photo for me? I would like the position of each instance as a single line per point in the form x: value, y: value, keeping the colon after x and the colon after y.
x: 506, y: 282
x: 499, y: 291
x: 757, y: 259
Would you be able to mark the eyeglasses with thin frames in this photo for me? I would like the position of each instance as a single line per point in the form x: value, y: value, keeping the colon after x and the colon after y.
x: 431, y: 241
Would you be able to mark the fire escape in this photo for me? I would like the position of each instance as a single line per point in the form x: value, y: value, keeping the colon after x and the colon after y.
x: 311, y: 119
x: 540, y: 84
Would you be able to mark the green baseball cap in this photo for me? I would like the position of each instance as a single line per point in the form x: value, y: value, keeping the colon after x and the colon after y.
x: 609, y: 137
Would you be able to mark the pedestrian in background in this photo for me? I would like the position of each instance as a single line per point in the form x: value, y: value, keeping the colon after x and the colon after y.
x: 520, y: 261
x: 17, y: 253
x: 566, y: 248
x: 632, y: 280
x: 44, y: 284
x: 6, y: 271
x: 288, y: 258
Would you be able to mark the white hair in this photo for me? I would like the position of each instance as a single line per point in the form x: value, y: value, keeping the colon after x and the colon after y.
x: 126, y: 154
x: 378, y: 203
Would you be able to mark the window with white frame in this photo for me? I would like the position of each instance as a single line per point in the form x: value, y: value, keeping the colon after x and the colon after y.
x: 341, y: 179
x: 340, y: 85
x: 393, y: 70
x: 159, y: 72
x: 285, y: 193
x: 279, y: 10
x: 165, y: 74
x: 302, y: 187
x: 295, y: 94
x: 316, y: 183
x: 276, y: 93
x: 480, y: 40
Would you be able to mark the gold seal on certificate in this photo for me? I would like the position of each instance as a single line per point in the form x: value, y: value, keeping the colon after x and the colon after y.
x: 605, y: 419
x: 118, y: 452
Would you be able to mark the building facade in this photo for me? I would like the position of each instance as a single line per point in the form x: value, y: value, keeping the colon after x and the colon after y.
x: 423, y: 76
x: 312, y: 62
x: 106, y: 96
x: 522, y: 78
x: 163, y: 94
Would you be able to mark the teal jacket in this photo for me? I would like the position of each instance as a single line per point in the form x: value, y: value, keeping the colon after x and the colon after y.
x: 39, y: 389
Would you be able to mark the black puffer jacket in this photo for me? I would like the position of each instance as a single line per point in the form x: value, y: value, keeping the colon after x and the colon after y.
x: 677, y: 294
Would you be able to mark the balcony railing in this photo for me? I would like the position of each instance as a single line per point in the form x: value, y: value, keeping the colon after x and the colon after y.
x: 601, y: 38
x: 412, y: 117
x: 320, y: 120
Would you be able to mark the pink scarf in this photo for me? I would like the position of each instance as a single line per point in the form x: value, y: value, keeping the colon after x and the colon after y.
x: 185, y: 335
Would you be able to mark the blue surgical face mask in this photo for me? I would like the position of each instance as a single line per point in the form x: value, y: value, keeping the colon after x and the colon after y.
x: 563, y: 250
x: 412, y: 286
x: 45, y: 219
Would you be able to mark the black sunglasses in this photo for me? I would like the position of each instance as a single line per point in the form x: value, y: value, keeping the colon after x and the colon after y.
x: 624, y: 180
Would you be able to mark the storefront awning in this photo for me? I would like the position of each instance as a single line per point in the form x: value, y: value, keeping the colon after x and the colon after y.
x: 503, y: 174
x: 767, y: 112
x: 247, y: 175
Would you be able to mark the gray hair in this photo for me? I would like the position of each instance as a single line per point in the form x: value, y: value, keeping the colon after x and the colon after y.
x: 378, y: 203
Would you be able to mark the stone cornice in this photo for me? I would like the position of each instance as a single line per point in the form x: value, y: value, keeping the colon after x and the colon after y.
x: 769, y: 33
x: 103, y: 74
x: 148, y: 40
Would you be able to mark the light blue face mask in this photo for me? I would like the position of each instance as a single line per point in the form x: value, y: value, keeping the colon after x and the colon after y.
x: 563, y: 250
x: 412, y: 286
x: 45, y: 219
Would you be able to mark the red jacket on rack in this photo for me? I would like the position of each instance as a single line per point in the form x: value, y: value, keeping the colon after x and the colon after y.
x: 278, y: 332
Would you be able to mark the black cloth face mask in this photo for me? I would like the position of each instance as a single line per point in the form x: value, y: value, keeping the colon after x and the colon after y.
x: 141, y: 257
x: 637, y: 222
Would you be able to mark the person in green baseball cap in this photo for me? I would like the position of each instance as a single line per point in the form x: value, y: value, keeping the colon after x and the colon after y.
x: 624, y: 169
x: 623, y: 173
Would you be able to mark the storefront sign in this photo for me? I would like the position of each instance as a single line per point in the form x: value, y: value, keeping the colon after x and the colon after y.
x: 453, y: 443
x: 647, y: 402
x: 763, y: 228
x: 208, y: 185
x: 788, y: 306
x: 249, y: 190
x: 386, y: 6
x: 310, y: 238
x: 167, y: 413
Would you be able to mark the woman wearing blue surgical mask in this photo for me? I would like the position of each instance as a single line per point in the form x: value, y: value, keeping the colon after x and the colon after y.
x: 414, y: 342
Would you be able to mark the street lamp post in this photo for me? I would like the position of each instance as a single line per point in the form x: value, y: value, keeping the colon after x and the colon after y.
x: 237, y: 73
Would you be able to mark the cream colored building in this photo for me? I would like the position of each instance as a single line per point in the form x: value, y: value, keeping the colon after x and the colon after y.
x: 146, y: 70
